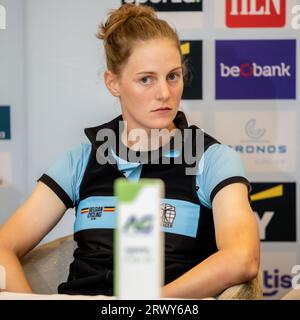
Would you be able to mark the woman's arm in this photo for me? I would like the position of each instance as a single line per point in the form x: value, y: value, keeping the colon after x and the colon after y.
x: 24, y: 230
x: 238, y: 255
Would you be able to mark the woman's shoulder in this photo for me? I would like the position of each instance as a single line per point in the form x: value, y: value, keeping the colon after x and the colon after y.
x: 72, y: 157
x: 80, y: 149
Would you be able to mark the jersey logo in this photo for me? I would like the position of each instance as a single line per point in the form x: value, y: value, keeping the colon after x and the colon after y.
x: 96, y: 212
x: 168, y: 214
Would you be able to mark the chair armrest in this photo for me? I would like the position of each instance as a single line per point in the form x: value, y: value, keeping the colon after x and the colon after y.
x: 251, y: 290
x: 47, y: 265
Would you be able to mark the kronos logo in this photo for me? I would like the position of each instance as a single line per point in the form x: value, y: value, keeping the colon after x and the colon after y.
x: 256, y: 143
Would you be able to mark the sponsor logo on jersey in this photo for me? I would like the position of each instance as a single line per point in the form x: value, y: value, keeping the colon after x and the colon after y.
x: 170, y: 5
x: 256, y: 69
x: 168, y: 214
x: 274, y: 205
x: 255, y: 13
x: 96, y: 212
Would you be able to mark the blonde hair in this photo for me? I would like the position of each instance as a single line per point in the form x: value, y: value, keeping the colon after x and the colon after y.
x: 128, y: 25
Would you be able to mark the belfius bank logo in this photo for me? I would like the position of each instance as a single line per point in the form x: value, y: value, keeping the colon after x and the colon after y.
x: 192, y: 53
x: 256, y: 69
x: 255, y: 13
x: 170, y: 5
x: 274, y: 205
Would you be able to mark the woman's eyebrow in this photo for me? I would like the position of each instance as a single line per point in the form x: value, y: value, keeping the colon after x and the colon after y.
x: 152, y: 72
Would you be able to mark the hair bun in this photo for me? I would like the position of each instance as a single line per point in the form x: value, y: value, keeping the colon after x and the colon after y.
x: 135, y: 11
x: 120, y: 16
x: 128, y: 25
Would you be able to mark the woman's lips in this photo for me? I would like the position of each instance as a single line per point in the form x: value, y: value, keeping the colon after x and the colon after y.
x: 162, y: 109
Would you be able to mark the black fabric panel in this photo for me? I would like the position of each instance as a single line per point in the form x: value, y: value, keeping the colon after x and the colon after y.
x: 177, y: 185
x: 91, y: 272
x: 98, y: 180
x: 58, y: 190
x: 209, y: 141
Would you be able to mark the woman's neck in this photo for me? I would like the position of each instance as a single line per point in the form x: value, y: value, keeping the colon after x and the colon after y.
x: 139, y: 139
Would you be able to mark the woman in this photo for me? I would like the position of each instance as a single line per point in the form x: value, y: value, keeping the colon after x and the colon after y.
x: 213, y: 241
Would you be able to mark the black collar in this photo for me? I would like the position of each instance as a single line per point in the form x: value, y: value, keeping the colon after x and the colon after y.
x: 179, y: 121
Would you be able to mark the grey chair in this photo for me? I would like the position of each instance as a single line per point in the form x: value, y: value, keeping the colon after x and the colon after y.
x: 47, y: 266
x: 251, y: 290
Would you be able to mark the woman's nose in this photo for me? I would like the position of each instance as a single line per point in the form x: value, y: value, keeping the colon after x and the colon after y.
x: 163, y: 91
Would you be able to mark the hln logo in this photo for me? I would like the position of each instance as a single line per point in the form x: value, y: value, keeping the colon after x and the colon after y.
x: 2, y: 18
x: 255, y: 13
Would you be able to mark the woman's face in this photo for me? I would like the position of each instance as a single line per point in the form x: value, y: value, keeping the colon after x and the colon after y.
x: 150, y: 85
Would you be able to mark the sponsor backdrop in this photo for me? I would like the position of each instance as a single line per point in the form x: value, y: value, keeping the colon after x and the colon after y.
x: 243, y: 70
x: 242, y: 87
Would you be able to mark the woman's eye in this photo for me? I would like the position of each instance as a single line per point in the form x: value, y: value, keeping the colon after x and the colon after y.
x: 146, y: 80
x: 173, y: 76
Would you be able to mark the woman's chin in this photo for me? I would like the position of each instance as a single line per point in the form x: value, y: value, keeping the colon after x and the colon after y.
x: 162, y: 123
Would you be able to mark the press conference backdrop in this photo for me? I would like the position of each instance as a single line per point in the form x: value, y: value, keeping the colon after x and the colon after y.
x: 244, y: 91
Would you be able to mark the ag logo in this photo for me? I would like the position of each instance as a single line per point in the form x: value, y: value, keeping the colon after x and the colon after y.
x: 139, y: 225
x: 192, y: 53
x: 274, y: 205
x: 170, y: 5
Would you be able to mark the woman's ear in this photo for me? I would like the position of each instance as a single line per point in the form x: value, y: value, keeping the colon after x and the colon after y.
x: 112, y: 83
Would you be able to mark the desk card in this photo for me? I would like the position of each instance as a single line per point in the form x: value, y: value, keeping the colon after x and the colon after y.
x: 138, y: 240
